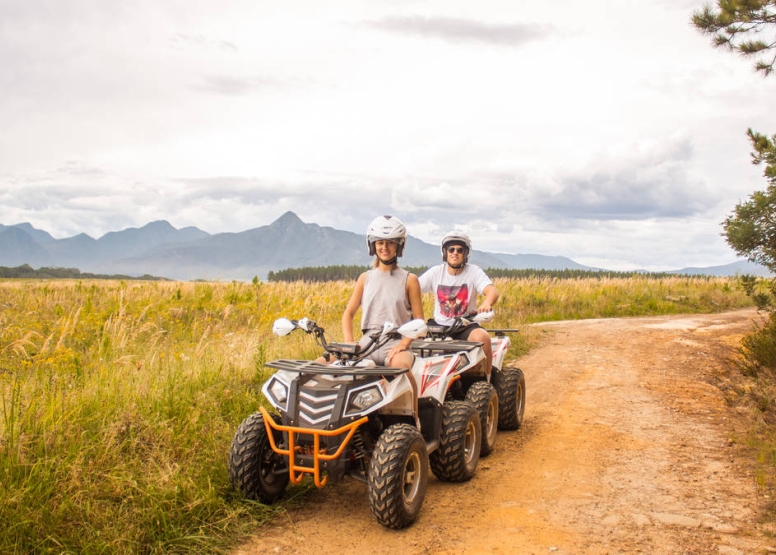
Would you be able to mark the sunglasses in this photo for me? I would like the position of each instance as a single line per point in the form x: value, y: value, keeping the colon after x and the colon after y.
x: 459, y: 250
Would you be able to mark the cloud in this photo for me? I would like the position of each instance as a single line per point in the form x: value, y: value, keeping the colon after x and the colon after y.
x: 421, y: 197
x: 554, y: 128
x: 654, y: 183
x: 231, y: 85
x: 683, y: 5
x: 181, y: 41
x: 464, y: 30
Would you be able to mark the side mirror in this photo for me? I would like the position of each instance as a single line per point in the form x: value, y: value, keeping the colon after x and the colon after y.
x: 483, y: 317
x: 283, y: 326
x: 414, y: 329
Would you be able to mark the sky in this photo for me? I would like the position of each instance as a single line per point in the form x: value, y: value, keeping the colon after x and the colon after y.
x: 607, y: 131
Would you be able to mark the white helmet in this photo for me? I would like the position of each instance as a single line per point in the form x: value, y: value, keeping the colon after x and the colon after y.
x: 457, y: 238
x: 384, y: 228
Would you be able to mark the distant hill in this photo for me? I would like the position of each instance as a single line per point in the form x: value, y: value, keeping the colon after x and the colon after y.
x: 159, y: 249
x: 18, y: 247
x: 739, y: 267
x: 541, y: 262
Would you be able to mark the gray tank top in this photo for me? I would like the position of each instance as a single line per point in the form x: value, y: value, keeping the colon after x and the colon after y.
x: 385, y: 299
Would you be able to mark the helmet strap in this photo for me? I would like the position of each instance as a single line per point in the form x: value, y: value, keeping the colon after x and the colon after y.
x: 390, y: 262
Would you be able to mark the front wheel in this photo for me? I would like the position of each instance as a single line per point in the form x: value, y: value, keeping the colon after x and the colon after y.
x: 511, y: 393
x: 483, y: 397
x: 254, y: 468
x: 459, y: 444
x: 397, y: 478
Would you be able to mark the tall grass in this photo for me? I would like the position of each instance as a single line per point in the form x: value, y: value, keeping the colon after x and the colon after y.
x: 118, y: 401
x: 548, y: 298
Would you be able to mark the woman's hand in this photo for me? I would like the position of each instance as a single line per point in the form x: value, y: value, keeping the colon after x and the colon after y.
x: 400, y: 347
x: 395, y: 350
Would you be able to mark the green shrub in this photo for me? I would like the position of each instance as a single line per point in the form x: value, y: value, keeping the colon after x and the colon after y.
x: 759, y: 349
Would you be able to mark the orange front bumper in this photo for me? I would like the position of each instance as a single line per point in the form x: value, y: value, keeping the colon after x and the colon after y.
x: 296, y: 471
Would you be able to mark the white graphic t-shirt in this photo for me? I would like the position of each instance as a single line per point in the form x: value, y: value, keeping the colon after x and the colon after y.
x: 454, y: 295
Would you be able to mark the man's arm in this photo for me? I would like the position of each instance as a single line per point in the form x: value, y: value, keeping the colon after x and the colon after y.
x: 491, y: 296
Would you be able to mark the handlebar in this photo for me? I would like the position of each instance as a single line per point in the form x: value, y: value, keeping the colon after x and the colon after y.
x: 441, y: 331
x: 351, y: 352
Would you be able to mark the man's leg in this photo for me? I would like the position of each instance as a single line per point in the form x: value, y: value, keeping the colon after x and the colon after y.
x: 479, y: 334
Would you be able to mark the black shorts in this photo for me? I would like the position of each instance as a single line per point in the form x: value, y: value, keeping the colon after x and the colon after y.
x: 463, y: 333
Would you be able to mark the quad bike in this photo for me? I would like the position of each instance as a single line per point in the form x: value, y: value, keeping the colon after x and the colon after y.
x: 351, y: 417
x: 499, y: 398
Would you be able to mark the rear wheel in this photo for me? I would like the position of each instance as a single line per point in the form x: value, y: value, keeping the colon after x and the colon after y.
x: 484, y: 399
x: 397, y: 478
x: 459, y: 444
x: 511, y: 394
x: 254, y: 468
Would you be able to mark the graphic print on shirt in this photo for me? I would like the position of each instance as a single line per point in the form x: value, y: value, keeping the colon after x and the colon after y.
x: 453, y: 299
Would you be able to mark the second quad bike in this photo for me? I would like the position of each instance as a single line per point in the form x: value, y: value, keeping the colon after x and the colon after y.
x: 499, y: 398
x: 381, y: 425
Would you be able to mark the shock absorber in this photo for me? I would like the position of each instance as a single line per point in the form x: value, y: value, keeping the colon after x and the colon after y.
x: 359, y: 451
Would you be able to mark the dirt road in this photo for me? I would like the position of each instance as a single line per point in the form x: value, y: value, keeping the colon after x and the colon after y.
x: 626, y: 448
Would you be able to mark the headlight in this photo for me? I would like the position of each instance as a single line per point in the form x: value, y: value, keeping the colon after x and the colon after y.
x: 364, y: 399
x: 279, y: 392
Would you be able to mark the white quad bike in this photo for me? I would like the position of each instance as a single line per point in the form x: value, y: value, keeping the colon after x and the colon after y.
x: 353, y: 418
x: 499, y: 398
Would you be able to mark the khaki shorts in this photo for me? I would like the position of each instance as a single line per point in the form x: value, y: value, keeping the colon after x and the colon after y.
x: 379, y: 355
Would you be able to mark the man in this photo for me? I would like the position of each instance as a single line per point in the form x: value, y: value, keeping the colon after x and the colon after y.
x: 456, y: 285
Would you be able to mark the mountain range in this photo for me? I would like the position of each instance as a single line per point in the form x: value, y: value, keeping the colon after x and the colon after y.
x: 189, y: 253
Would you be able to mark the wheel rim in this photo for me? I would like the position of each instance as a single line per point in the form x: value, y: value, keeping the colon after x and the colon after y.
x: 470, y: 443
x: 412, y: 475
x: 491, y: 420
x: 520, y: 399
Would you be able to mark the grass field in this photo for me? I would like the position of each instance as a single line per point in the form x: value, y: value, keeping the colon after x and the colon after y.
x: 118, y: 400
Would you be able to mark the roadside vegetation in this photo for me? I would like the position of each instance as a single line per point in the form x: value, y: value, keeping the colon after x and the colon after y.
x: 119, y: 399
x: 748, y: 28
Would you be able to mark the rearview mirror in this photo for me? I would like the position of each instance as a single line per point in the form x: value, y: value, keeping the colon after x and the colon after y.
x: 283, y: 326
x: 483, y: 317
x: 414, y: 329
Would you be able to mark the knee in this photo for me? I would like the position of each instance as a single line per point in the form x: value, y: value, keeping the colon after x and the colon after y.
x: 401, y: 360
x: 480, y: 335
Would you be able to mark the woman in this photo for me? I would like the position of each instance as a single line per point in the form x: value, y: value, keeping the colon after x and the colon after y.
x: 386, y: 293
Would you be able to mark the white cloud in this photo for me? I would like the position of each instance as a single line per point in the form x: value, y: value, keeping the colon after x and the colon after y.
x: 463, y: 30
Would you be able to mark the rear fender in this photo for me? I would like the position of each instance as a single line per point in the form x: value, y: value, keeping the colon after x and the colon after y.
x: 500, y: 346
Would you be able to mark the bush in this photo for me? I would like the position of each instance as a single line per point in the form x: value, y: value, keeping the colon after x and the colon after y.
x: 759, y: 348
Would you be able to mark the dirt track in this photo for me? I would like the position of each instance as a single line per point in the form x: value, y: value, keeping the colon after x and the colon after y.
x: 626, y: 448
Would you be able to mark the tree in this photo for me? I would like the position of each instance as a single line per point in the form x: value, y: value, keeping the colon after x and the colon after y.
x: 751, y: 228
x: 749, y: 28
x: 744, y: 26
